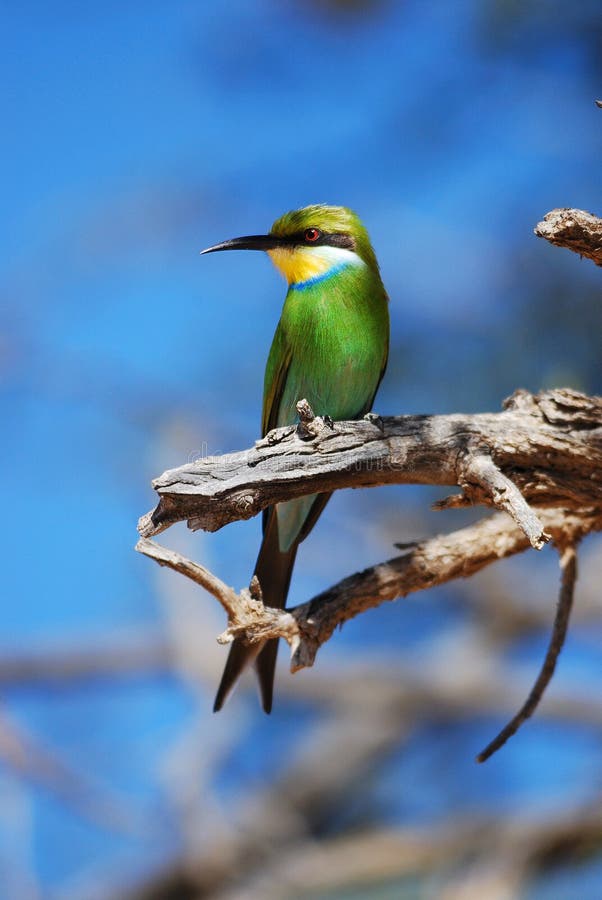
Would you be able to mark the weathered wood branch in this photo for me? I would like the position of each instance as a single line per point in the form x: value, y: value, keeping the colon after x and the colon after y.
x: 541, y: 451
x: 575, y: 229
x: 568, y: 565
x: 432, y: 562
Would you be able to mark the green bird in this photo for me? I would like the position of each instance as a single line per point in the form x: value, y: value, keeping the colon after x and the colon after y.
x: 330, y: 347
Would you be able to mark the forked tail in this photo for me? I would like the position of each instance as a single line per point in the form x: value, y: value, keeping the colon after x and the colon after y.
x: 273, y: 570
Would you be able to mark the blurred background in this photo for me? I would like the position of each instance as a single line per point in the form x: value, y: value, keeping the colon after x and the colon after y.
x: 134, y: 135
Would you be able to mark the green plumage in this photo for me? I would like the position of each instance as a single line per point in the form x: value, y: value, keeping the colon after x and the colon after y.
x: 333, y: 220
x: 330, y: 347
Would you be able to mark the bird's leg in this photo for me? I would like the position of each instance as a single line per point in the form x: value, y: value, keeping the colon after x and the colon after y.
x: 375, y: 419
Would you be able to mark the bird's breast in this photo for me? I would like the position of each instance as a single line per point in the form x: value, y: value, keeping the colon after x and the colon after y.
x: 338, y: 335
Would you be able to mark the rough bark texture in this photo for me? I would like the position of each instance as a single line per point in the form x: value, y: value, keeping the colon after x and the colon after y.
x: 432, y: 562
x: 575, y: 229
x: 543, y: 450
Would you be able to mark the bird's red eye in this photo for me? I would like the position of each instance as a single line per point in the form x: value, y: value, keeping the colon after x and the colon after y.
x: 312, y: 235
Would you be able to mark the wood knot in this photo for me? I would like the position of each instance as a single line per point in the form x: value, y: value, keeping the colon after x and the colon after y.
x: 310, y: 425
x: 245, y: 504
x: 521, y: 401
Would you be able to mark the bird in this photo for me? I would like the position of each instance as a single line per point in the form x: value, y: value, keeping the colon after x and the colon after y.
x: 330, y: 347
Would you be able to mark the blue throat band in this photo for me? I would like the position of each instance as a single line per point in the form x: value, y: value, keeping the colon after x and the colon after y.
x: 302, y: 285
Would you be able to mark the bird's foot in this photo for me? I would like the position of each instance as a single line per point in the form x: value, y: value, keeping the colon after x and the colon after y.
x: 375, y: 419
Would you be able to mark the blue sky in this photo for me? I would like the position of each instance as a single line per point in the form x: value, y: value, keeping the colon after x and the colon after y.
x: 136, y: 134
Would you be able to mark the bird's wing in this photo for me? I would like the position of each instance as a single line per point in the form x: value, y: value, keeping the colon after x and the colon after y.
x: 276, y: 373
x: 380, y: 377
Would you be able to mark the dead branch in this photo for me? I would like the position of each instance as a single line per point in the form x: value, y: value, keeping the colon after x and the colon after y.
x: 544, y: 449
x: 541, y: 451
x: 575, y: 229
x: 568, y: 565
x: 432, y: 562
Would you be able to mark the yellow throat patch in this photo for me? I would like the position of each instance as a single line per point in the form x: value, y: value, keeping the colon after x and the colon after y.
x: 299, y: 264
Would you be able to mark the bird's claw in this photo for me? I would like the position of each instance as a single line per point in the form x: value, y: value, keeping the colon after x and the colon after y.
x: 375, y: 419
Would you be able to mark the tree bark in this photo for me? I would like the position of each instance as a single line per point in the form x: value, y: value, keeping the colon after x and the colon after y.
x: 575, y: 229
x: 542, y: 452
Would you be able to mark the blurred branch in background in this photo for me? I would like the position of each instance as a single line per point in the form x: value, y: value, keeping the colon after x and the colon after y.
x: 36, y: 763
x: 287, y: 840
x: 504, y: 855
x: 289, y: 837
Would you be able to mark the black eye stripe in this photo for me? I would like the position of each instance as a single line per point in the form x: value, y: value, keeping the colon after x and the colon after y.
x: 328, y: 239
x: 345, y: 241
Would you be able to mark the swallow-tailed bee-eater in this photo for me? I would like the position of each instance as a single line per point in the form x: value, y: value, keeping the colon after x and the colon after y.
x: 330, y: 348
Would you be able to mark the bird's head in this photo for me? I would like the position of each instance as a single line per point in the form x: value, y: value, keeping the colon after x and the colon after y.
x: 311, y: 242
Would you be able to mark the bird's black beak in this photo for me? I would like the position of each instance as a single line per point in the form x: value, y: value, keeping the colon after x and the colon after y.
x: 250, y: 242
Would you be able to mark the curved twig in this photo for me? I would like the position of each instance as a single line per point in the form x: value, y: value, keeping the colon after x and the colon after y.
x: 568, y: 565
x: 432, y: 562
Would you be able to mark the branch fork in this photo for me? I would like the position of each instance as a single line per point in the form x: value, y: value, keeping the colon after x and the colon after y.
x: 482, y: 481
x: 248, y: 617
x: 562, y: 428
x: 543, y: 452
